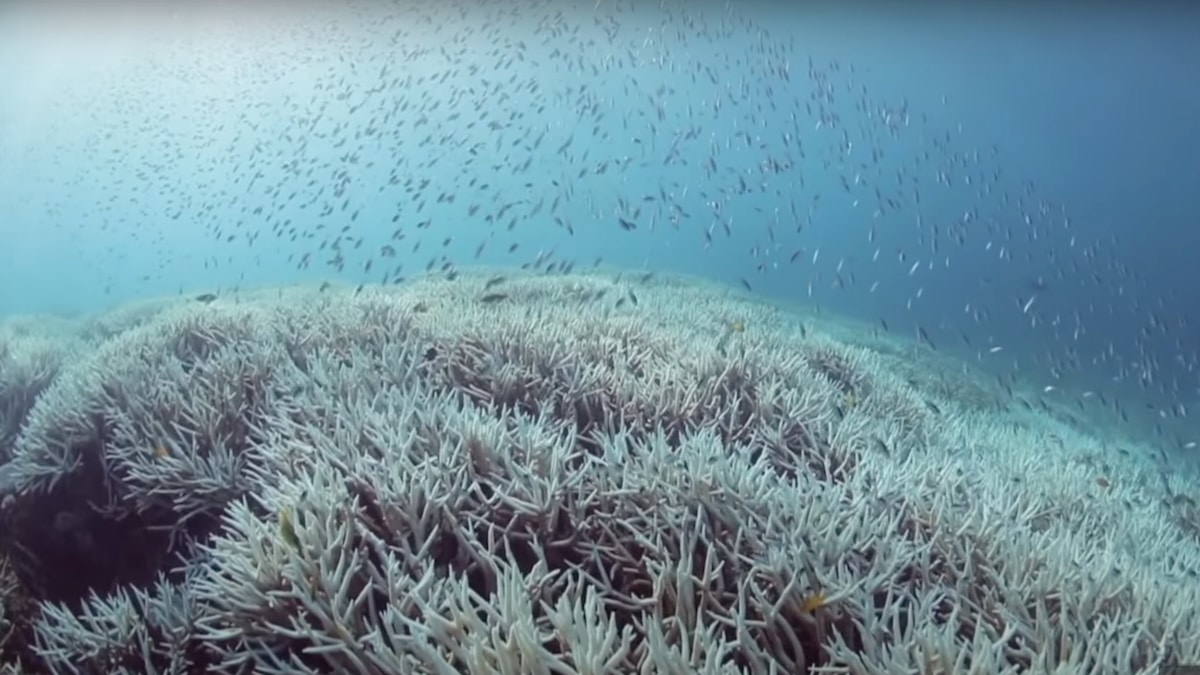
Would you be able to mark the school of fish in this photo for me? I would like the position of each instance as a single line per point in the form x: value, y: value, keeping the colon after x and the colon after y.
x: 373, y: 143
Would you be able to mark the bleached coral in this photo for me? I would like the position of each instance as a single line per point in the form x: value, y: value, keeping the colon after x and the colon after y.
x: 28, y: 365
x: 409, y: 480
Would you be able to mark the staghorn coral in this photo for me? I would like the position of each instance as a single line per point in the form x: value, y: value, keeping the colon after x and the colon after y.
x: 409, y: 480
x: 28, y: 365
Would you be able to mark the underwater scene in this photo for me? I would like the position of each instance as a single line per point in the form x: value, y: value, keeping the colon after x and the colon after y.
x: 589, y: 337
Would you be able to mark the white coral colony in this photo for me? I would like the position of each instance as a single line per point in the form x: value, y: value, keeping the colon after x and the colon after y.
x: 408, y: 480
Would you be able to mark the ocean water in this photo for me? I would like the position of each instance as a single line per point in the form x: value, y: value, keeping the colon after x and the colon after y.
x: 598, y: 337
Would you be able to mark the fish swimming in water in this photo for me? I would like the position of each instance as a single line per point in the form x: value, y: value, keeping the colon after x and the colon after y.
x: 731, y: 327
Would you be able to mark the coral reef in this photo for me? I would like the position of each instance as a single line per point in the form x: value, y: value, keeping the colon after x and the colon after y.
x: 536, y: 474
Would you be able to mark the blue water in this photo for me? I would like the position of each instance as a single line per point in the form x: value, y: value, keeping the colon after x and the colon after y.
x: 1054, y: 152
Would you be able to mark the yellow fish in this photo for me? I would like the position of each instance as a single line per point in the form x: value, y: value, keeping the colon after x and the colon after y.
x: 731, y: 327
x: 814, y: 602
x: 287, y: 528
